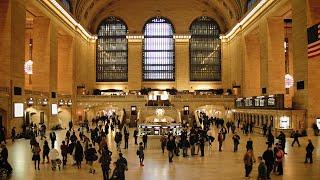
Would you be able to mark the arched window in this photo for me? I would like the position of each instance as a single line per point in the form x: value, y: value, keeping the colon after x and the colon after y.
x: 158, y: 50
x: 67, y: 4
x: 112, y: 51
x: 205, y: 50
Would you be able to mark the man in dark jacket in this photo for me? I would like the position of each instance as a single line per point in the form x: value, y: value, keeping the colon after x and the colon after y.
x: 121, y: 167
x: 249, y: 144
x: 309, y: 150
x: 296, y: 136
x: 236, y: 142
x: 105, y: 161
x: 135, y: 135
x: 53, y: 138
x: 269, y: 160
x: 145, y: 140
x: 126, y: 139
x: 171, y: 145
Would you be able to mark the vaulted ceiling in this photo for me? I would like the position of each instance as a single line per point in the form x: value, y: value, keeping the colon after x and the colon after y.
x: 92, y: 12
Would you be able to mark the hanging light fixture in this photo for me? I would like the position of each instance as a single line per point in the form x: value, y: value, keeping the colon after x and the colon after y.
x: 28, y: 65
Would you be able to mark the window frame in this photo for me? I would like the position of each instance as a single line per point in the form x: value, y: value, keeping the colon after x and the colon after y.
x: 170, y: 51
x: 205, y: 37
x: 112, y: 20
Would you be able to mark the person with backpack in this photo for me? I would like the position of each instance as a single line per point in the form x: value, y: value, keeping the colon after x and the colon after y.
x: 36, y: 155
x: 91, y: 156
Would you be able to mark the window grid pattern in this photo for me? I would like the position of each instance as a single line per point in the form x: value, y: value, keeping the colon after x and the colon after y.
x: 205, y: 50
x: 112, y: 51
x: 158, y: 51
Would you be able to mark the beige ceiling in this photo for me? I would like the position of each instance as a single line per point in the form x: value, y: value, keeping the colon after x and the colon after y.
x: 91, y: 12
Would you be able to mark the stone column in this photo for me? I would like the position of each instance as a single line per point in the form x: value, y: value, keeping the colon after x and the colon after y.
x: 182, y: 63
x: 134, y: 63
x: 300, y: 55
x: 12, y: 36
x: 276, y: 56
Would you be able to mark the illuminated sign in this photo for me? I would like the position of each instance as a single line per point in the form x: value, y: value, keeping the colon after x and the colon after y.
x: 284, y: 122
x: 28, y: 67
x: 54, y: 109
x: 18, y: 110
x: 288, y: 81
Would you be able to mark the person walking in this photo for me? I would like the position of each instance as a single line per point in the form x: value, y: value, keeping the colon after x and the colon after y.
x: 78, y: 154
x: 249, y: 144
x: 140, y: 153
x: 105, y: 161
x: 121, y: 167
x: 163, y: 141
x: 135, y: 135
x: 45, y: 152
x: 268, y: 157
x: 220, y: 140
x: 279, y: 160
x: 248, y: 160
x: 296, y: 136
x: 13, y: 134
x: 309, y: 150
x: 64, y: 153
x: 126, y: 139
x: 236, y: 142
x: 91, y: 156
x: 53, y: 138
x: 145, y: 140
x: 36, y: 155
x: 262, y: 170
x: 201, y: 144
x: 171, y: 145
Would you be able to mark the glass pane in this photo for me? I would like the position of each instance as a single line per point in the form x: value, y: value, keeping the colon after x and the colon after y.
x: 205, y: 50
x: 112, y: 51
x: 158, y: 51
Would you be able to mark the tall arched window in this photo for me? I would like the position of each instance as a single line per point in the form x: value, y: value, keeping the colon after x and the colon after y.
x: 112, y: 51
x: 205, y: 50
x: 67, y: 4
x: 158, y: 50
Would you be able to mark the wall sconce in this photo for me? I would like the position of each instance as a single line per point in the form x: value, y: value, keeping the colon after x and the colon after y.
x: 69, y: 103
x: 30, y: 101
x: 44, y: 102
x: 61, y: 102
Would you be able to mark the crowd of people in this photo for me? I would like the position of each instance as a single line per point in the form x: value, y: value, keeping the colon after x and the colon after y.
x: 191, y: 142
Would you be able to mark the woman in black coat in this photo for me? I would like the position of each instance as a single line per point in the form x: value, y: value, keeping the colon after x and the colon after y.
x: 78, y: 154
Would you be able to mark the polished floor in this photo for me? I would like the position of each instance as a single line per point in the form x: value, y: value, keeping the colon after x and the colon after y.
x: 215, y: 164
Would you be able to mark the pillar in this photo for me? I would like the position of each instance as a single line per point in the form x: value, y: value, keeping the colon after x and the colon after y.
x: 134, y: 64
x: 182, y: 64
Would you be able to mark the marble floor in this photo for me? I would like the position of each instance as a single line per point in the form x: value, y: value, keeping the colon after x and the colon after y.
x: 215, y: 164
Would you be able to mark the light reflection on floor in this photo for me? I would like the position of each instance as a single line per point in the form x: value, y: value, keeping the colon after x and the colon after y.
x: 215, y: 165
